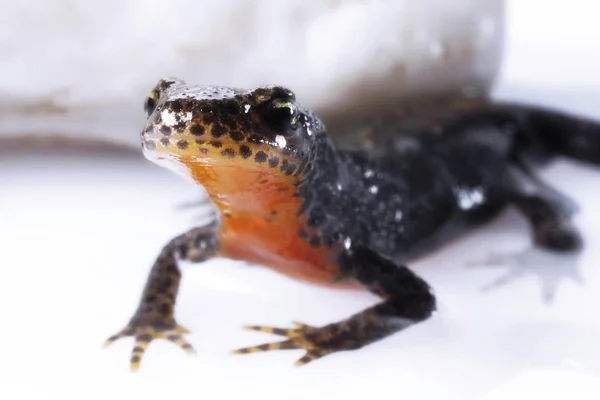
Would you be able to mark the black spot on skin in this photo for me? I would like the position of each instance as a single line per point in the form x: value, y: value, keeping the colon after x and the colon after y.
x: 229, y: 121
x: 160, y: 325
x: 165, y: 141
x: 183, y: 251
x: 180, y: 127
x: 150, y: 145
x: 273, y: 162
x: 135, y: 359
x: 216, y: 144
x: 138, y: 349
x: 166, y: 283
x: 176, y: 106
x: 245, y: 151
x: 316, y: 218
x: 172, y: 268
x: 200, y: 142
x: 232, y: 107
x: 197, y: 130
x: 290, y: 169
x: 303, y: 234
x: 315, y: 241
x: 145, y: 338
x: 150, y: 299
x: 237, y: 136
x: 329, y: 241
x: 165, y: 130
x: 165, y: 309
x: 229, y: 153
x: 217, y: 131
x: 284, y: 165
x: 203, y: 150
x: 245, y: 125
x: 208, y: 119
x: 206, y: 109
x: 182, y: 144
x: 260, y: 157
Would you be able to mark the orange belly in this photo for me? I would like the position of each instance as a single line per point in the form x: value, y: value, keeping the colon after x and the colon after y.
x: 279, y: 247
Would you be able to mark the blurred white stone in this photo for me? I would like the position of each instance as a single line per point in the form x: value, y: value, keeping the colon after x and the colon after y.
x: 81, y: 68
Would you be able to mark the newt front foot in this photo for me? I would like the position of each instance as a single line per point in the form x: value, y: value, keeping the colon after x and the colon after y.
x: 144, y: 332
x: 317, y: 342
x: 155, y: 317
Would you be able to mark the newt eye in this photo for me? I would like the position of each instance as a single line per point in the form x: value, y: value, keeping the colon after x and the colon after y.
x: 150, y: 105
x: 281, y: 115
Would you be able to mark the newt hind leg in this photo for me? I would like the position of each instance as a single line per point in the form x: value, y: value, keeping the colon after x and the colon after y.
x: 551, y: 227
x: 155, y: 316
x: 407, y: 300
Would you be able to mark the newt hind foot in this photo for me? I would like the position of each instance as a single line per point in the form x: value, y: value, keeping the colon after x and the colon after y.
x: 318, y: 342
x: 304, y: 336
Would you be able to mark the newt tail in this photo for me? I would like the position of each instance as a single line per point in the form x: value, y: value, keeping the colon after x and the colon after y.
x: 293, y: 198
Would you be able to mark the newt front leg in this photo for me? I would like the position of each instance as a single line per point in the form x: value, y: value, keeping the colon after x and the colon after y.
x: 155, y: 316
x: 408, y: 300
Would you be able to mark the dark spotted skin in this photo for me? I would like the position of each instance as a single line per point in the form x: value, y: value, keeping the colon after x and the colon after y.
x: 354, y: 204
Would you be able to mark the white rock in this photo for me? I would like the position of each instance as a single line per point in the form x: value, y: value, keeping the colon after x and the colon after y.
x: 83, y: 68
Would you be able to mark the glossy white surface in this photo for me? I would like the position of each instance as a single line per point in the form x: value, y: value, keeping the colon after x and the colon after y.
x: 80, y: 232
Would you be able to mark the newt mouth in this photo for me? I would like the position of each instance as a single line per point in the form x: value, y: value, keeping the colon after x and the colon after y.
x: 199, y: 145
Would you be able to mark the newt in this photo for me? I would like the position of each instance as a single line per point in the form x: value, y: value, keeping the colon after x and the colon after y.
x: 347, y: 206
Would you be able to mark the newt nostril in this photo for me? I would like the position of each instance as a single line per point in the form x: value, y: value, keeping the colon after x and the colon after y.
x: 149, y: 145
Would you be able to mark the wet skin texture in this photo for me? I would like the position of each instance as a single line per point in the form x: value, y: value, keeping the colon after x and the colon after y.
x: 348, y: 206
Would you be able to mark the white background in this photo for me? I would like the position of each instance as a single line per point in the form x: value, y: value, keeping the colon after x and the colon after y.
x: 79, y: 233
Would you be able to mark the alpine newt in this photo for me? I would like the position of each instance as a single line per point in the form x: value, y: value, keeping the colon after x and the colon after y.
x: 350, y: 206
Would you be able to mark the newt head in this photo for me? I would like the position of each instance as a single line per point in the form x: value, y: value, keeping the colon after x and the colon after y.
x: 233, y: 142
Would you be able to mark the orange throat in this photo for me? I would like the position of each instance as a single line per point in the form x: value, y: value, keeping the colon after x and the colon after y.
x: 260, y: 222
